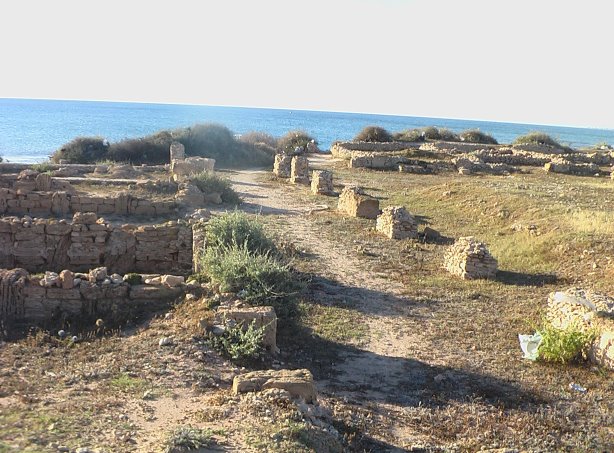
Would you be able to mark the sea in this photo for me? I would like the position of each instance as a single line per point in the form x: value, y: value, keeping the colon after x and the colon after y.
x: 32, y: 129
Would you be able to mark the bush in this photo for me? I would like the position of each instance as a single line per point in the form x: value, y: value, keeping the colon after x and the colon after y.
x: 260, y: 277
x: 410, y: 135
x: 238, y: 344
x: 477, y: 136
x: 373, y: 134
x: 255, y: 137
x: 209, y: 182
x: 293, y: 139
x: 152, y: 149
x: 82, y: 150
x: 536, y: 138
x: 237, y: 228
x: 448, y: 136
x: 563, y: 345
x: 187, y: 438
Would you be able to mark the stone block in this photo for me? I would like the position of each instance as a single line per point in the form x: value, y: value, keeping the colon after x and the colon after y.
x: 322, y: 182
x: 354, y: 202
x: 282, y: 165
x: 181, y: 169
x: 299, y: 170
x: 470, y: 259
x: 177, y: 151
x: 260, y: 316
x: 299, y: 383
x: 84, y: 218
x: 396, y: 223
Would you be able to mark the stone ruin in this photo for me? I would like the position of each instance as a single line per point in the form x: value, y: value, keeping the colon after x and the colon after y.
x: 395, y: 222
x: 586, y: 311
x: 261, y: 317
x: 299, y: 170
x: 354, y: 202
x: 322, y: 182
x: 560, y: 165
x: 79, y: 298
x: 282, y: 165
x: 468, y: 164
x: 470, y: 259
x: 177, y: 151
x: 297, y: 383
x: 183, y: 169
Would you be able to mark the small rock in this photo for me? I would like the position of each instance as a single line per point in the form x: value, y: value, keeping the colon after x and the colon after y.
x: 165, y: 341
x: 61, y: 333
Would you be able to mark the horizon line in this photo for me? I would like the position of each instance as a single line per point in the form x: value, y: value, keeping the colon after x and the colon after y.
x: 192, y: 104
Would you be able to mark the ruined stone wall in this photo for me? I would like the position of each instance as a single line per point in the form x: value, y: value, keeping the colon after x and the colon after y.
x: 344, y: 150
x: 86, y: 242
x: 382, y: 161
x: 17, y: 202
x: 26, y: 300
x: 455, y: 147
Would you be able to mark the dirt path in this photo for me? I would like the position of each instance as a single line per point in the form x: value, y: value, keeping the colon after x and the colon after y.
x: 376, y: 369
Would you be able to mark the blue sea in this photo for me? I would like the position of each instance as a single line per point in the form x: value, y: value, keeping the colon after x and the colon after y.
x: 30, y: 129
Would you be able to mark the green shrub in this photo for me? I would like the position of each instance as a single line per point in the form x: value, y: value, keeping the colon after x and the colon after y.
x: 260, y: 278
x: 187, y: 438
x: 42, y: 167
x: 410, y: 135
x: 133, y: 279
x: 477, y: 136
x: 237, y: 228
x: 563, y: 345
x: 293, y: 139
x: 536, y: 138
x: 448, y: 136
x: 209, y: 182
x: 238, y: 344
x: 152, y: 149
x: 255, y: 137
x: 373, y: 134
x: 82, y: 150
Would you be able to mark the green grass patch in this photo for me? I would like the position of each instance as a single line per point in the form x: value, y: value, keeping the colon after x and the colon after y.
x: 238, y: 228
x: 335, y: 324
x: 128, y: 384
x: 238, y: 344
x: 187, y: 438
x: 209, y: 182
x: 564, y: 345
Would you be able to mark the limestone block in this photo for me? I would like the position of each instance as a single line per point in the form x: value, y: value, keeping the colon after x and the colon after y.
x: 43, y: 182
x: 299, y: 383
x: 282, y: 165
x: 396, y: 223
x: 63, y: 294
x: 84, y: 218
x: 190, y: 195
x: 149, y: 292
x: 191, y: 166
x: 98, y: 274
x: 470, y: 259
x: 172, y: 281
x: 261, y: 316
x: 299, y: 170
x: 322, y: 182
x: 67, y: 279
x: 177, y: 151
x: 354, y: 202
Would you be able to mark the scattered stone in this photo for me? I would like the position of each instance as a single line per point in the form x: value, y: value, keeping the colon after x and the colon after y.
x: 98, y: 274
x: 84, y: 218
x: 299, y: 383
x: 50, y: 280
x: 165, y: 341
x: 470, y: 259
x: 396, y: 222
x: 354, y: 202
x: 322, y: 182
x: 172, y: 281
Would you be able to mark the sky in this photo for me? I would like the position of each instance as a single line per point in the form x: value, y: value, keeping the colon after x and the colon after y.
x: 527, y: 61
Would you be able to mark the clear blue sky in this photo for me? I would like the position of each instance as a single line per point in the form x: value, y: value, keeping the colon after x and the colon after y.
x: 533, y: 61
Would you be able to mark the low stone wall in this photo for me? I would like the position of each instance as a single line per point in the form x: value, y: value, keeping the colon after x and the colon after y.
x: 455, y: 147
x: 18, y: 202
x: 470, y: 259
x: 87, y: 242
x: 382, y: 161
x: 469, y: 163
x: 559, y: 165
x: 586, y: 311
x: 344, y: 150
x: 27, y: 300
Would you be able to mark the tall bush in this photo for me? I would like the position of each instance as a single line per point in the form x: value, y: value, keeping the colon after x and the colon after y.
x: 373, y: 134
x: 82, y: 150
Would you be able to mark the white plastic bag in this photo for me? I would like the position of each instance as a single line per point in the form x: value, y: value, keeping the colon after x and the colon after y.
x: 529, y: 345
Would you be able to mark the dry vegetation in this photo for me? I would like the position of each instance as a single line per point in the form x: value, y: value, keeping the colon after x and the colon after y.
x: 405, y: 355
